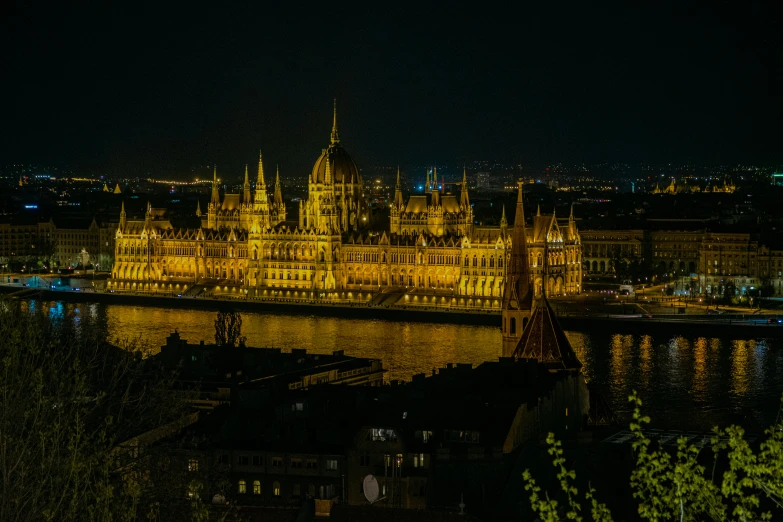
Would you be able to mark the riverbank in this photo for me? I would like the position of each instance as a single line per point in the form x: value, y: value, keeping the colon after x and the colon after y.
x: 739, y: 325
x: 429, y: 314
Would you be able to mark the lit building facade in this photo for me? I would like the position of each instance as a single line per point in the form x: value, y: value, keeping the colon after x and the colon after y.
x: 248, y: 245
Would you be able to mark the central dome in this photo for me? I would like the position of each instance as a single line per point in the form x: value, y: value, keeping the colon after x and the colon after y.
x: 341, y: 166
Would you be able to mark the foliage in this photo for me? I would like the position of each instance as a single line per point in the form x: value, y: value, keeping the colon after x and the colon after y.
x: 228, y: 329
x: 77, y: 419
x: 676, y: 486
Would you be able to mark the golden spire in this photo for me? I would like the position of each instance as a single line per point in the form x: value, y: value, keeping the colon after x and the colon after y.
x: 335, y: 136
x: 328, y: 173
x: 198, y: 208
x: 398, y: 175
x: 571, y: 217
x: 538, y: 211
x: 503, y: 220
x: 260, y: 183
x: 122, y: 210
x: 246, y: 188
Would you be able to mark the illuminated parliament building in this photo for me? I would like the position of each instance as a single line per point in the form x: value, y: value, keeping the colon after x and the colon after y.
x: 248, y: 246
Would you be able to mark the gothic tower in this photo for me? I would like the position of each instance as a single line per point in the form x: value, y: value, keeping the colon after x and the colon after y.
x: 517, y: 297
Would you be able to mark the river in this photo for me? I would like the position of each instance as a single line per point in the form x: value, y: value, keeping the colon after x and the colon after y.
x: 689, y: 383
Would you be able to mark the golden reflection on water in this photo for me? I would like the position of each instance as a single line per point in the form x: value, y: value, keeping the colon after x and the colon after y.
x: 645, y: 357
x: 580, y: 342
x: 619, y: 353
x: 406, y: 348
x: 699, y: 383
x: 741, y: 371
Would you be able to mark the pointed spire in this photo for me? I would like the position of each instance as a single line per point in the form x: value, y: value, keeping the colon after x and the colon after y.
x: 260, y: 183
x: 503, y: 220
x: 398, y: 191
x: 335, y: 136
x: 517, y: 284
x: 215, y: 192
x: 122, y: 216
x: 278, y: 189
x: 464, y: 198
x: 246, y: 188
x: 538, y: 211
x: 198, y: 208
x: 571, y: 217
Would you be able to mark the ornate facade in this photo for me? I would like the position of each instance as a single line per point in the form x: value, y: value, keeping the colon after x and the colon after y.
x: 247, y: 245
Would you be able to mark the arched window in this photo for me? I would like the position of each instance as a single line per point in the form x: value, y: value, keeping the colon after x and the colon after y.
x: 475, y: 261
x: 492, y: 262
x: 483, y: 261
x: 466, y: 262
x: 276, y: 488
x: 242, y: 487
x: 256, y: 486
x: 513, y: 325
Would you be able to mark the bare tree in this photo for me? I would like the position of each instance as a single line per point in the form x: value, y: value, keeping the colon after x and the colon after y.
x: 228, y: 329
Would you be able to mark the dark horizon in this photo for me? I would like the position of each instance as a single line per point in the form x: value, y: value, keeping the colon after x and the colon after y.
x: 134, y: 93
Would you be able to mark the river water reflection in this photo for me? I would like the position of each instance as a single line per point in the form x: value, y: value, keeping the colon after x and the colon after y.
x: 686, y: 382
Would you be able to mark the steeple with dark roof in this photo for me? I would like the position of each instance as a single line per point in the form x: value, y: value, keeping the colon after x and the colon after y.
x: 545, y: 340
x: 517, y: 296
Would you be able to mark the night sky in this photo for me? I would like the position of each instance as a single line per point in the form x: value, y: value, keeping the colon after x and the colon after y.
x: 162, y: 90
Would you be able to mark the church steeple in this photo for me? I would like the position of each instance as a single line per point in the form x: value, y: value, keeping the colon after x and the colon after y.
x: 517, y: 297
x: 335, y: 135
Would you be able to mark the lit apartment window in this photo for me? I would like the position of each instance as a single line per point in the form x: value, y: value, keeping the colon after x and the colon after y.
x: 256, y: 487
x: 242, y: 486
x: 276, y: 488
x: 331, y: 464
x: 192, y: 464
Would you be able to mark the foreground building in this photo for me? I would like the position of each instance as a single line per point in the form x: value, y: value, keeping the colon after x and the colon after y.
x: 248, y: 244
